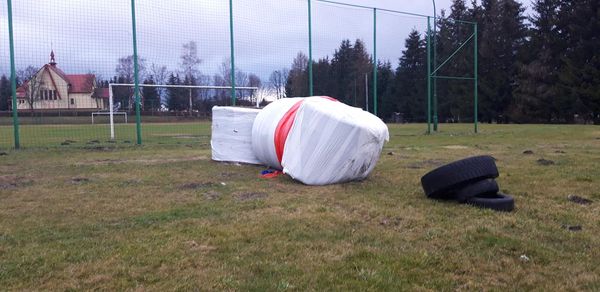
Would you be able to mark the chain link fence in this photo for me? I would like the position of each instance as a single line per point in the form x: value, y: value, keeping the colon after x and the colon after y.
x: 147, y: 72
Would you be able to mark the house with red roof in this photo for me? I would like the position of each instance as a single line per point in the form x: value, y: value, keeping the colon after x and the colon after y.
x: 52, y: 89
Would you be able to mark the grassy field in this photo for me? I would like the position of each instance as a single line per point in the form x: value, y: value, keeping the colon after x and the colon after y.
x: 165, y: 217
x: 93, y: 136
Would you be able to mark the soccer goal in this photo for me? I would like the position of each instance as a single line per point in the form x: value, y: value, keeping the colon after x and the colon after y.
x: 112, y: 111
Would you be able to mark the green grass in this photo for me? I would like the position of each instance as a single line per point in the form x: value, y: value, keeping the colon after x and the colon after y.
x: 88, y: 135
x: 165, y: 217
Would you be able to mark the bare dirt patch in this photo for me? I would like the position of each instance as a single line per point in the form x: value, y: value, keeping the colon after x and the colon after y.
x: 212, y: 195
x: 579, y: 200
x: 545, y: 162
x: 79, y: 180
x: 9, y: 182
x: 573, y: 228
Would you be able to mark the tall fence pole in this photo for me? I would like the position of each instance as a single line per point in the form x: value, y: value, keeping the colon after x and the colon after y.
x: 310, y: 57
x: 435, y: 97
x: 428, y: 75
x: 231, y: 49
x: 375, y: 61
x: 475, y: 79
x: 138, y: 122
x: 13, y: 78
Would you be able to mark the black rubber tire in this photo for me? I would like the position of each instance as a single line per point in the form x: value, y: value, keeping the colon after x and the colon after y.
x: 498, y: 202
x: 480, y: 188
x: 442, y: 182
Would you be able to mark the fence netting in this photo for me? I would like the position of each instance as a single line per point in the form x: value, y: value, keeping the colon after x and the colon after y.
x: 75, y: 65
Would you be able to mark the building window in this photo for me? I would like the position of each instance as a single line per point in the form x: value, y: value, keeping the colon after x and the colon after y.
x: 72, y: 101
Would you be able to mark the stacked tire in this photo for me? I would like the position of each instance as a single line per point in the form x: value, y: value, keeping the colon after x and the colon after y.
x: 468, y: 181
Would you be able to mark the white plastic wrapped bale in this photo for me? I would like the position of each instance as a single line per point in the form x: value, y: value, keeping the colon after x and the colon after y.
x: 327, y: 142
x: 231, y: 138
x: 263, y: 131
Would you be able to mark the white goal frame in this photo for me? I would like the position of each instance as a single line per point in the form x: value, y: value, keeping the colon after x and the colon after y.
x: 111, y: 111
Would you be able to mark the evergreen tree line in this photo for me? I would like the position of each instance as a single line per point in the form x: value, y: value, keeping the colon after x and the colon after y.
x: 544, y: 68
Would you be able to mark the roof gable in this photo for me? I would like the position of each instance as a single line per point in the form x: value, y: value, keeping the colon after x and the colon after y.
x: 81, y: 83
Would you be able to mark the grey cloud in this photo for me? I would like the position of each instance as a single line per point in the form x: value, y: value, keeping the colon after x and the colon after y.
x: 91, y: 35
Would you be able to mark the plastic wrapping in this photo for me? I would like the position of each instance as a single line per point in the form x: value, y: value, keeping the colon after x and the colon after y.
x: 231, y: 138
x: 263, y: 131
x: 328, y: 142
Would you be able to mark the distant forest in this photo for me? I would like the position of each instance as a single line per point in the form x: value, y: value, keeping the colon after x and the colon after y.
x: 544, y: 68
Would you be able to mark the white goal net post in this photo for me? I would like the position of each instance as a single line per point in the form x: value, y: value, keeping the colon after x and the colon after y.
x: 111, y: 108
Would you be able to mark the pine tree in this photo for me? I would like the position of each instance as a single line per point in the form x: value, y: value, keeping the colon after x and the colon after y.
x: 385, y: 83
x: 344, y: 84
x: 362, y: 66
x: 151, y: 98
x: 176, y: 97
x: 502, y: 42
x: 579, y: 80
x: 297, y: 81
x: 409, y: 86
x: 455, y: 97
x: 5, y: 93
x: 537, y: 94
x: 322, y: 77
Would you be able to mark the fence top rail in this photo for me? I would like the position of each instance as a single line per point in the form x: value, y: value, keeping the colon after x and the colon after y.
x: 184, y: 86
x: 391, y: 11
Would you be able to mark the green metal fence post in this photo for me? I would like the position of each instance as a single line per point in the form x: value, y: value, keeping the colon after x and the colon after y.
x: 475, y: 78
x: 428, y: 75
x: 375, y: 61
x: 138, y: 119
x: 310, y: 57
x: 435, y: 97
x: 231, y: 48
x: 13, y: 78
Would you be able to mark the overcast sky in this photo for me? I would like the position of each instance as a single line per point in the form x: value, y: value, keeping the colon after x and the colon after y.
x: 89, y: 36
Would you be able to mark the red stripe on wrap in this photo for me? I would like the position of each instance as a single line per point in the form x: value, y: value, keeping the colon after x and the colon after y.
x: 285, y: 125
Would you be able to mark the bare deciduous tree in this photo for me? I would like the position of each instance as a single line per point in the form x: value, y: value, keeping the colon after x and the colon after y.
x: 125, y: 69
x: 160, y: 75
x: 32, y: 83
x: 278, y: 79
x: 190, y: 60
